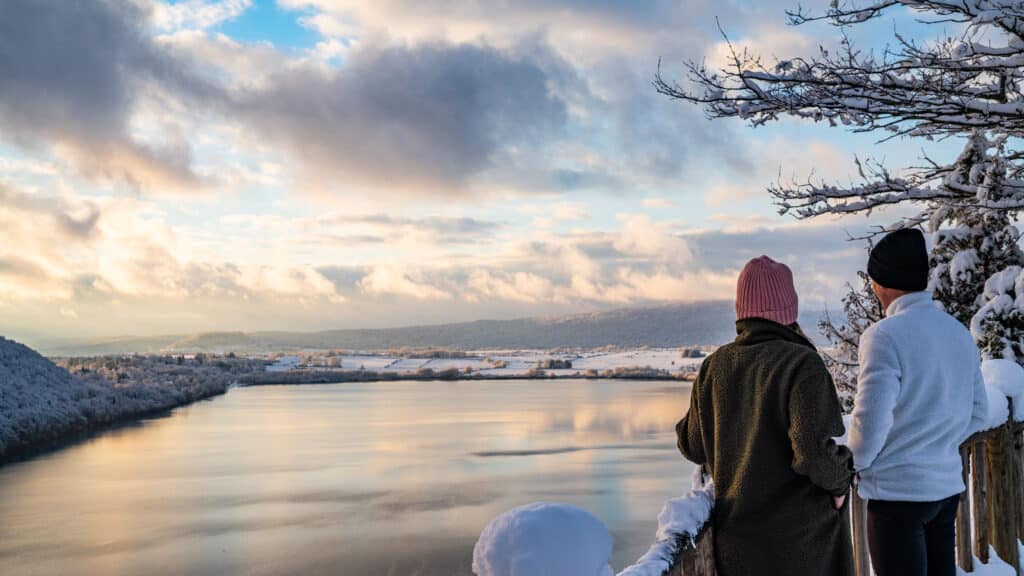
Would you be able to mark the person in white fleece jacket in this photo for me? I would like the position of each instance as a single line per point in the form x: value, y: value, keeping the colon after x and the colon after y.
x: 920, y: 394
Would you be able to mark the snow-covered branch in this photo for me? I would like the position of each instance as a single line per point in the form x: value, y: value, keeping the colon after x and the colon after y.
x: 956, y: 84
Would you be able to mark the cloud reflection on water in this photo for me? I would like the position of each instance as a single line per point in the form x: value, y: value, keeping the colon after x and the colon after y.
x: 293, y: 479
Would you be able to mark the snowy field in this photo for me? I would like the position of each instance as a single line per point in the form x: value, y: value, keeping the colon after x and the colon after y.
x: 501, y: 363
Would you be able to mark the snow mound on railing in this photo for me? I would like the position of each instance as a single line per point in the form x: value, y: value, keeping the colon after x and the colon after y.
x: 544, y: 539
x: 680, y: 520
x: 1004, y: 379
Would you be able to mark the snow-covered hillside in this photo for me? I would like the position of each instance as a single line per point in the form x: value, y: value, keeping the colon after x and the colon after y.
x: 41, y: 402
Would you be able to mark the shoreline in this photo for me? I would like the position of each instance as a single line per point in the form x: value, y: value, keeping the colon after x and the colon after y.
x: 70, y: 435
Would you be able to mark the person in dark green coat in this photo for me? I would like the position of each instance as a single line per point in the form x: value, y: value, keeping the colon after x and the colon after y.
x: 763, y: 415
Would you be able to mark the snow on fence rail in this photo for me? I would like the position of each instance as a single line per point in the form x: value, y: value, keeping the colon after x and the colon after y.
x: 683, y: 543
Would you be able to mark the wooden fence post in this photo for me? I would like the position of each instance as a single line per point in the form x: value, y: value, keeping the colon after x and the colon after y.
x: 979, y: 491
x: 701, y: 560
x: 1003, y: 494
x: 1018, y: 473
x: 861, y: 557
x: 963, y: 515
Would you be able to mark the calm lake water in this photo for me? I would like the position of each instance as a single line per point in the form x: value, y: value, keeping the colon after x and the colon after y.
x: 392, y: 478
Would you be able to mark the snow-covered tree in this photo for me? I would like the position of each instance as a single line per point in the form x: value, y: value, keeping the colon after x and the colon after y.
x: 946, y: 86
x: 998, y: 327
x: 967, y: 82
x: 862, y: 309
x: 971, y: 241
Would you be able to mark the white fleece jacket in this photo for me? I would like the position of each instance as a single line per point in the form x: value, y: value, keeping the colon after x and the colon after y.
x: 920, y: 394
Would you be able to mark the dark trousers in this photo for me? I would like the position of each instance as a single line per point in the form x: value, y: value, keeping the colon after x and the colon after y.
x: 913, y: 538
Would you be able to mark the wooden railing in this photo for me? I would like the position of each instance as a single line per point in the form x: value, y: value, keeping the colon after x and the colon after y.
x: 696, y: 558
x: 991, y: 510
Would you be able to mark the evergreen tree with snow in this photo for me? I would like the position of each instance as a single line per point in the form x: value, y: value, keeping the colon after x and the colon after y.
x: 998, y: 327
x: 972, y: 240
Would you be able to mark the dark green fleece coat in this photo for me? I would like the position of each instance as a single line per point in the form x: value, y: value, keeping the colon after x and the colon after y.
x: 762, y: 416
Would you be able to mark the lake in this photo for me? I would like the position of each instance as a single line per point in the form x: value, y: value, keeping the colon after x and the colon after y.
x: 366, y: 479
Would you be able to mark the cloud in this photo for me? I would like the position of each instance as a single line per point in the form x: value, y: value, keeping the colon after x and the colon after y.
x: 419, y: 105
x: 401, y: 99
x: 770, y: 39
x: 640, y: 236
x: 382, y: 173
x: 434, y: 229
x: 548, y: 215
x: 303, y: 283
x: 584, y: 30
x: 73, y: 74
x: 778, y: 160
x: 820, y: 254
x: 515, y: 286
x: 197, y: 14
x: 399, y: 281
x: 22, y: 279
x: 70, y: 219
x: 659, y: 203
x: 401, y: 118
x: 337, y: 228
x: 66, y: 247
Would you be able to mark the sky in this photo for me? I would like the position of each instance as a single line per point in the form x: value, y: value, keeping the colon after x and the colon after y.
x: 206, y: 165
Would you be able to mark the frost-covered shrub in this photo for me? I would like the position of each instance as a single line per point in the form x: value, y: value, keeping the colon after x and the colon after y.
x: 861, y: 309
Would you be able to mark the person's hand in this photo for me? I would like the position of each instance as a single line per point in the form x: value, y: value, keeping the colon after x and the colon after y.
x: 838, y: 501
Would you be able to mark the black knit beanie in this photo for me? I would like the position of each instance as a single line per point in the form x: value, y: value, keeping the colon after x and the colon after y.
x: 900, y: 261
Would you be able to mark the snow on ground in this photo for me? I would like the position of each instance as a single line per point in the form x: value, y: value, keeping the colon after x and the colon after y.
x: 995, y: 567
x: 283, y: 364
x: 437, y: 364
x: 496, y: 362
x: 410, y: 364
x: 367, y: 362
x: 544, y: 539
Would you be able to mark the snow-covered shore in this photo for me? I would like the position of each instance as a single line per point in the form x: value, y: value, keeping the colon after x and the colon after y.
x: 43, y: 404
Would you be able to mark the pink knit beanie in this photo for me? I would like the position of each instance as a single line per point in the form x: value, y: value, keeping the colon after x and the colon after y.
x: 765, y: 290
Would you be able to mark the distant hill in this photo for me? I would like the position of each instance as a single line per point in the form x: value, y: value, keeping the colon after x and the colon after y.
x: 703, y: 323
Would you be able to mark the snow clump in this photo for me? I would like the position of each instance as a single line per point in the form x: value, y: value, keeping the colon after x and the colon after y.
x: 544, y: 539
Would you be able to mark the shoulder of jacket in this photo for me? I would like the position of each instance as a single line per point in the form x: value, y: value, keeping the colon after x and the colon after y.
x: 879, y: 329
x: 804, y: 354
x: 722, y: 350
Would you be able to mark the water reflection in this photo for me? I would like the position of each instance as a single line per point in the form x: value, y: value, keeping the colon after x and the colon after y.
x: 363, y: 479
